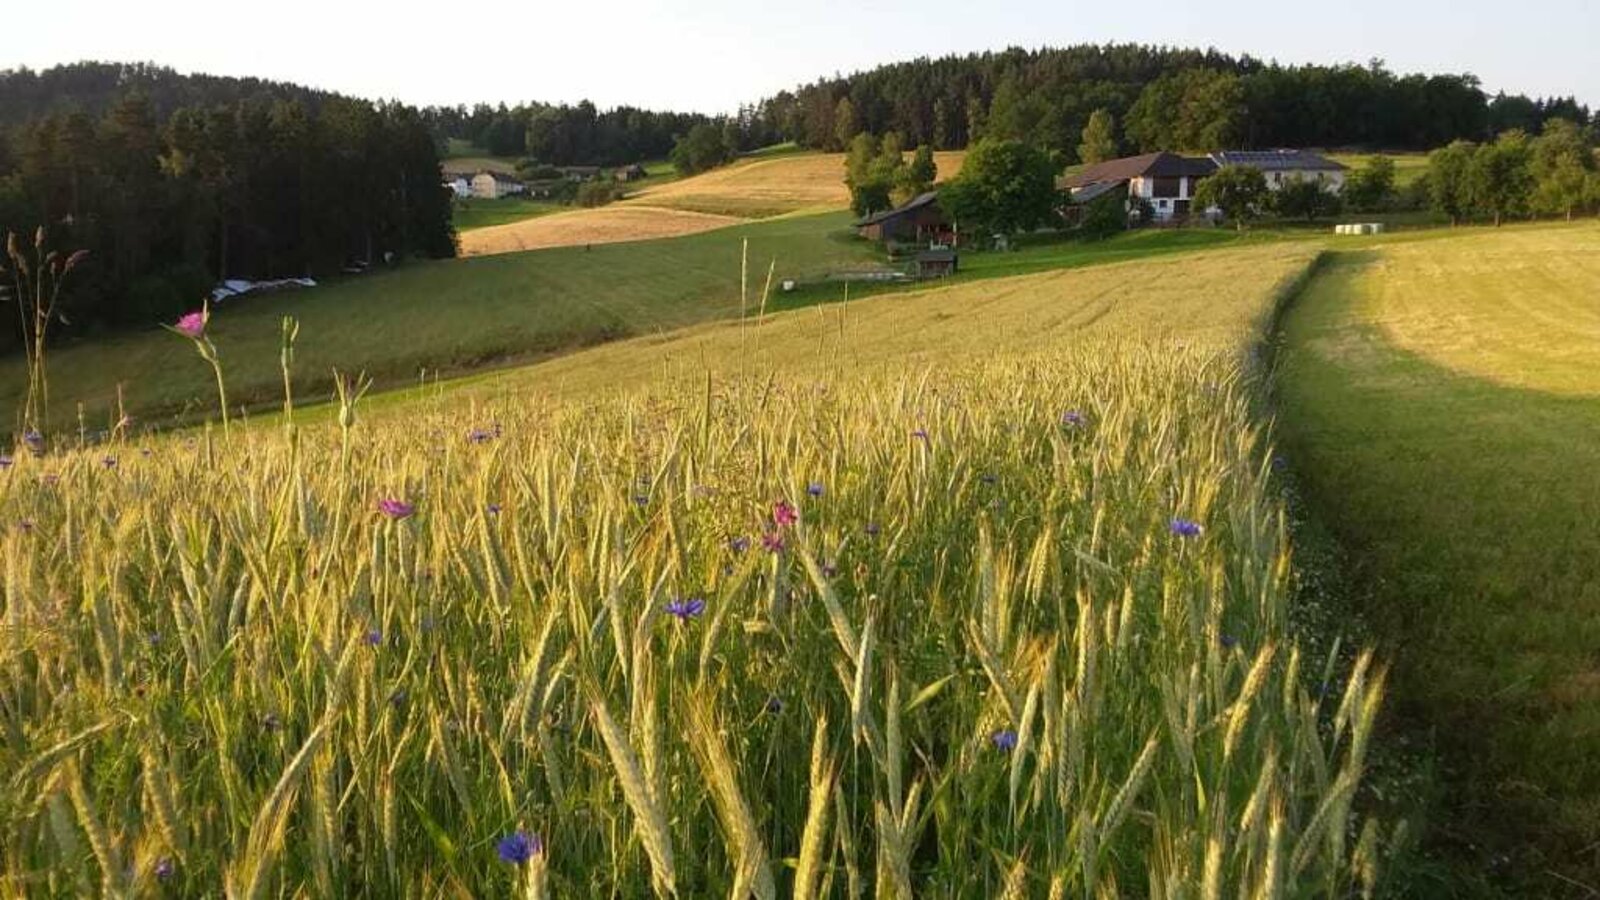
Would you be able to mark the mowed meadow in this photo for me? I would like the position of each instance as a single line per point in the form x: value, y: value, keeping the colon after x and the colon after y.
x: 944, y: 618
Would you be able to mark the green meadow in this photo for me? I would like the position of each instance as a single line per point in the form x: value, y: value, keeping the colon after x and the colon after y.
x: 1442, y: 402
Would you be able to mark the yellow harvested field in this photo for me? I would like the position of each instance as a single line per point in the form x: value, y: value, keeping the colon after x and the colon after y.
x: 768, y: 187
x: 605, y: 225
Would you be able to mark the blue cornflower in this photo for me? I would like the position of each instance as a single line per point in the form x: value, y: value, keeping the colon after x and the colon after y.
x: 480, y: 436
x: 872, y: 529
x: 1073, y: 419
x: 1229, y: 642
x: 494, y: 509
x: 920, y: 434
x: 641, y: 500
x: 988, y: 478
x: 1279, y: 462
x: 165, y: 868
x: 519, y: 847
x: 814, y: 489
x: 774, y: 704
x: 739, y: 544
x: 35, y: 441
x: 686, y: 609
x: 373, y: 637
x: 1185, y: 528
x: 1004, y: 740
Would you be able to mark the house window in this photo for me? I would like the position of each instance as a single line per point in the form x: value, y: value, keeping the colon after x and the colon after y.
x: 1166, y: 187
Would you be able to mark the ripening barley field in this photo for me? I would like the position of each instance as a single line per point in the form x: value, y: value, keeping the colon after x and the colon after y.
x: 1014, y: 623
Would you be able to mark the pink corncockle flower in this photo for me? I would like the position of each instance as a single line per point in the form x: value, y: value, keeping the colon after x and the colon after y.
x: 192, y: 325
x: 784, y: 514
x: 395, y: 509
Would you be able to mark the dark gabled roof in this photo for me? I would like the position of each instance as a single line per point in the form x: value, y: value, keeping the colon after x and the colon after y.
x: 916, y: 202
x: 1090, y: 191
x: 1277, y: 160
x: 1151, y: 165
x: 501, y: 177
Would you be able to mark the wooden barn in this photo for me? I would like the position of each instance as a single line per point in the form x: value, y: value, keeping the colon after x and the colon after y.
x: 919, y: 219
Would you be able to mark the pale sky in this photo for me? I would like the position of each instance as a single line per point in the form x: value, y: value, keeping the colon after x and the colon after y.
x: 711, y: 55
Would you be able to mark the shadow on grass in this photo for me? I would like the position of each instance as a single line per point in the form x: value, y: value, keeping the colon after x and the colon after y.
x: 1468, y: 510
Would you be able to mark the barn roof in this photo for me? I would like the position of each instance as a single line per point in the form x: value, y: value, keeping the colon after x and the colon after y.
x: 914, y: 203
x: 1148, y: 165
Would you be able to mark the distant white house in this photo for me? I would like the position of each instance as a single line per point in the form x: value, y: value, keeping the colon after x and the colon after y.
x: 1167, y: 181
x: 460, y: 185
x: 1282, y: 166
x: 494, y: 185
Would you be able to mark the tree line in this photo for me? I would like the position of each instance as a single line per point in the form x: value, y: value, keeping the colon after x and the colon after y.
x: 1165, y: 98
x: 1516, y: 175
x: 169, y: 198
x: 565, y: 135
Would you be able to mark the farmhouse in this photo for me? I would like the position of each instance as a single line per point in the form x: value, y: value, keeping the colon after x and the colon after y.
x: 460, y: 185
x: 1281, y: 166
x: 1167, y: 181
x: 919, y: 219
x: 494, y: 185
x: 1164, y: 180
x: 628, y: 173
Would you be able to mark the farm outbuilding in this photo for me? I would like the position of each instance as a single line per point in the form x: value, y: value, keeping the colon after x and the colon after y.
x: 919, y: 219
x: 494, y: 185
x: 938, y: 262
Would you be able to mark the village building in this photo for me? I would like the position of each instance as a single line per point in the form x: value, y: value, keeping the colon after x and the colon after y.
x: 632, y: 172
x: 1283, y: 166
x: 460, y: 185
x: 918, y: 220
x: 1165, y: 182
x: 494, y: 185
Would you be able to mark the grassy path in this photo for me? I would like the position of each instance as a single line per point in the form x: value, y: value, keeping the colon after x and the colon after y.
x: 1442, y: 401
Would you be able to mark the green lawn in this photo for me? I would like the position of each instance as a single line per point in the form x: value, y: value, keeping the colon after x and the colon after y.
x: 1441, y: 400
x: 480, y: 213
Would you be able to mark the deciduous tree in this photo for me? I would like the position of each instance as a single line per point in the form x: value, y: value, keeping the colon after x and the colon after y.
x: 1240, y: 192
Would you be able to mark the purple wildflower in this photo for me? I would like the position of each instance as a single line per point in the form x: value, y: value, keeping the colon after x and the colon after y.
x: 35, y: 441
x: 271, y: 722
x: 814, y: 489
x: 6, y: 461
x: 873, y: 528
x: 1229, y: 642
x: 920, y: 434
x: 519, y: 847
x: 772, y: 542
x: 373, y: 637
x: 1073, y: 419
x: 1185, y: 528
x: 1004, y: 740
x: 641, y: 500
x: 739, y: 544
x: 395, y: 509
x: 480, y: 436
x: 109, y: 462
x: 829, y: 570
x: 25, y: 524
x: 774, y: 705
x: 686, y: 609
x: 494, y: 509
x: 784, y: 514
x: 165, y: 868
x: 191, y: 325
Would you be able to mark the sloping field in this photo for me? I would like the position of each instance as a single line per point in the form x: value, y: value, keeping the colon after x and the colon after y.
x: 757, y: 188
x: 1442, y: 401
x: 605, y: 225
x: 1214, y: 299
x: 448, y: 315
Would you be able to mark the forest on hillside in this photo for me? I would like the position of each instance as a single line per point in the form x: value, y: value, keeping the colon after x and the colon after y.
x: 172, y: 183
